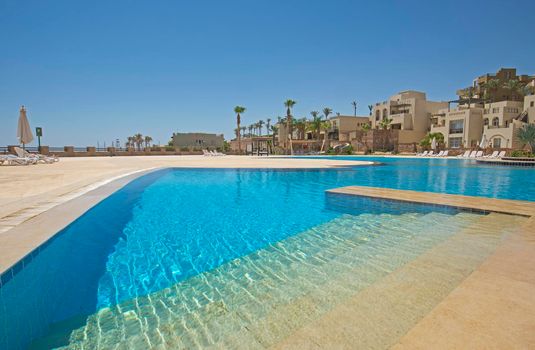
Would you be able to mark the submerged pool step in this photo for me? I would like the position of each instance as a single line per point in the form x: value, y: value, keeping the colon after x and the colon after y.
x: 390, y: 307
x: 251, y: 298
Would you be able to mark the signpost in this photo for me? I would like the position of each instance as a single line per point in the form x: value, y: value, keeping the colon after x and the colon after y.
x: 39, y: 133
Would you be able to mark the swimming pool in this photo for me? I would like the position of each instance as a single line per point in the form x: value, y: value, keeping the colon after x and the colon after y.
x: 226, y: 257
x: 455, y: 176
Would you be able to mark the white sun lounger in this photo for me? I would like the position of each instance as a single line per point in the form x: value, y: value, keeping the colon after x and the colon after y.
x: 423, y: 154
x: 440, y: 154
x: 445, y: 154
x: 11, y: 159
x: 465, y: 155
x: 35, y: 157
x: 473, y: 154
x: 207, y: 153
x: 493, y: 155
x: 479, y: 154
x: 502, y: 154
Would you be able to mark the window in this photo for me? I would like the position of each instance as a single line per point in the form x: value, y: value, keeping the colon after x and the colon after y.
x: 510, y: 110
x: 455, y: 142
x: 486, y: 121
x: 497, y: 142
x: 377, y: 115
x: 532, y: 104
x: 456, y: 126
x: 506, y: 123
x: 496, y: 122
x: 496, y: 110
x: 385, y: 113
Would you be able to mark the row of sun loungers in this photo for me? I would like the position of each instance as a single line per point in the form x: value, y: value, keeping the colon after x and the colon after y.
x: 479, y: 154
x: 432, y: 154
x: 24, y: 157
x: 208, y: 153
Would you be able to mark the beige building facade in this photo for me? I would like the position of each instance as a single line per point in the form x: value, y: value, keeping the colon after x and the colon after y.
x: 493, y: 125
x: 410, y: 112
x: 198, y: 140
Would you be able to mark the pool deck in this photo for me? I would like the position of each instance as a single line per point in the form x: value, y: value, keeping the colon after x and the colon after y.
x: 493, y: 308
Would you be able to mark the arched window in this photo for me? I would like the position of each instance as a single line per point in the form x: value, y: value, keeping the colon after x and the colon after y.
x: 486, y: 121
x: 496, y: 121
x: 385, y: 113
x: 377, y: 115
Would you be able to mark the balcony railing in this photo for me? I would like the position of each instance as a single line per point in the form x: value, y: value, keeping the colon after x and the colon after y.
x: 456, y: 131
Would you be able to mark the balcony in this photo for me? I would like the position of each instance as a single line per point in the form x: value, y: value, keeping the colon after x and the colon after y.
x: 456, y: 131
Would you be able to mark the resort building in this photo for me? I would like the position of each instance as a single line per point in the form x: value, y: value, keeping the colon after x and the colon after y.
x: 493, y: 123
x: 197, y: 140
x: 492, y: 87
x: 410, y: 112
x: 344, y: 127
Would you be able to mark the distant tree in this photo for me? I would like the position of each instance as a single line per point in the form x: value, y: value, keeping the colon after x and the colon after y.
x: 354, y: 103
x: 514, y: 86
x: 526, y: 135
x: 326, y: 112
x: 239, y: 110
x: 490, y: 88
x: 289, y: 105
x: 148, y: 140
x: 260, y: 125
x: 268, y: 124
x: 138, y: 139
x: 250, y: 127
x: 274, y: 130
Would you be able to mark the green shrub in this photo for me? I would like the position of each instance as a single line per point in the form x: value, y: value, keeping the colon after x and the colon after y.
x: 170, y: 148
x: 522, y: 154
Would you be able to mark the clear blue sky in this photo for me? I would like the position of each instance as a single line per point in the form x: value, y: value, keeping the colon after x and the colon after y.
x: 93, y: 71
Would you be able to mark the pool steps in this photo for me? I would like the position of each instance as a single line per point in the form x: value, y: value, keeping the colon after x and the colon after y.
x: 281, y: 289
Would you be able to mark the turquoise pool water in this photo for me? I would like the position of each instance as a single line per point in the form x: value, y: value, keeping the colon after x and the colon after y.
x: 455, y: 176
x: 205, y: 257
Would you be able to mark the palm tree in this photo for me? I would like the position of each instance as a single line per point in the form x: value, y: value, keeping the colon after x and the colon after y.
x: 148, y: 140
x: 354, y: 103
x: 138, y: 139
x: 491, y: 86
x: 129, y: 142
x: 243, y: 128
x: 250, y: 127
x: 384, y: 124
x: 260, y: 125
x: 370, y: 107
x: 268, y: 123
x: 326, y: 112
x: 526, y: 135
x: 289, y: 105
x: 239, y: 110
x: 315, y: 124
x: 514, y: 86
x: 274, y: 130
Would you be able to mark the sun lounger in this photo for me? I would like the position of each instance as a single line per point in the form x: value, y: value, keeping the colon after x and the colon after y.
x: 423, y: 154
x: 445, y: 154
x: 207, y: 153
x: 479, y: 154
x: 465, y: 155
x: 11, y: 159
x: 35, y: 157
x: 493, y: 155
x: 430, y: 154
x: 440, y: 154
x: 473, y: 154
x: 502, y: 154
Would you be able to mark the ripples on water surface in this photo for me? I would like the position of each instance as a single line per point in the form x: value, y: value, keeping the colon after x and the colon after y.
x: 236, y: 259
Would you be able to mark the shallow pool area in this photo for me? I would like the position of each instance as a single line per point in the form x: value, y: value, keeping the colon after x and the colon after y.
x: 241, y: 258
